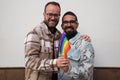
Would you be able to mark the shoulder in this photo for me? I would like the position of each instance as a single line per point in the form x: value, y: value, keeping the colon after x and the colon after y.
x: 33, y: 35
x: 39, y: 29
x: 86, y: 46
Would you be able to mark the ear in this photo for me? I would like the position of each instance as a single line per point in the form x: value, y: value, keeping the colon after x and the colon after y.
x: 77, y: 25
x: 43, y: 13
x: 62, y: 26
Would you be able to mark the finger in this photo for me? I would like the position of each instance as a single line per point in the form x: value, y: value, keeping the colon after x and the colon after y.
x: 64, y: 65
x: 83, y: 37
x: 61, y: 57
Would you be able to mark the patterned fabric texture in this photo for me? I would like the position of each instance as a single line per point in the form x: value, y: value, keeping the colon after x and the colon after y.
x: 41, y: 47
x: 81, y: 56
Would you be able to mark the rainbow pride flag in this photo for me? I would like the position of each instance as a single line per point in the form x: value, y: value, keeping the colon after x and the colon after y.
x: 64, y: 45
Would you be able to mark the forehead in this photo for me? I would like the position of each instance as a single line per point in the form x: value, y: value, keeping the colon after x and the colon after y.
x: 69, y: 17
x: 52, y: 8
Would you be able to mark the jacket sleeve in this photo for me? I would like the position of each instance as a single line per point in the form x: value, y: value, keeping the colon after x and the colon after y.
x: 87, y: 61
x: 84, y: 67
x: 33, y: 60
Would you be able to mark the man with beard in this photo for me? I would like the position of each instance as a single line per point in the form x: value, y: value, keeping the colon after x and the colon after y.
x: 41, y: 47
x: 80, y: 54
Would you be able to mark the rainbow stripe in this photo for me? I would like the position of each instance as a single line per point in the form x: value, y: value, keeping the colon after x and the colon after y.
x: 64, y: 45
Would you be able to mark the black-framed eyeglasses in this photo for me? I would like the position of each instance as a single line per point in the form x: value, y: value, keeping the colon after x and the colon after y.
x: 51, y: 15
x: 71, y: 22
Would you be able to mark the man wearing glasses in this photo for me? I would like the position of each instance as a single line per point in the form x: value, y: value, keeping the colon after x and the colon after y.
x: 81, y: 53
x: 41, y: 47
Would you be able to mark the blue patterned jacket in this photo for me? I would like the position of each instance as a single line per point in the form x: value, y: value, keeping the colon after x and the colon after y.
x: 81, y: 56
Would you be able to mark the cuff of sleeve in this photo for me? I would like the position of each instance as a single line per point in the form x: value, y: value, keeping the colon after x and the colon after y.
x: 56, y: 69
x: 54, y: 62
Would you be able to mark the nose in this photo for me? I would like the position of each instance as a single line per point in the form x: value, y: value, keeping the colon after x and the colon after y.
x: 68, y: 24
x: 52, y: 17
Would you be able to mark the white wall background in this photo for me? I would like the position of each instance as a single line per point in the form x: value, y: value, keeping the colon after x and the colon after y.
x: 100, y: 19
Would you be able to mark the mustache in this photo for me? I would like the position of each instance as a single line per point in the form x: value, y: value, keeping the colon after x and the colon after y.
x: 69, y: 27
x: 52, y: 20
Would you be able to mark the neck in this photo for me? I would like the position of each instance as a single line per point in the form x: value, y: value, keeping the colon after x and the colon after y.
x: 52, y: 29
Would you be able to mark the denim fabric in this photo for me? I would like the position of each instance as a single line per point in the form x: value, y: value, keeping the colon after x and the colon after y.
x: 81, y: 56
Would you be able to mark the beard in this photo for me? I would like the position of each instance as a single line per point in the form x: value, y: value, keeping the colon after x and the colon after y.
x: 70, y: 34
x: 69, y: 30
x: 51, y: 23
